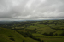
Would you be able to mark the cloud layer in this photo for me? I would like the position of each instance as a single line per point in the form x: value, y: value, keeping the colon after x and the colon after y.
x: 28, y: 9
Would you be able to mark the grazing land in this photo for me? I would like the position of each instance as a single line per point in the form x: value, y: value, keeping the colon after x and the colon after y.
x: 32, y: 31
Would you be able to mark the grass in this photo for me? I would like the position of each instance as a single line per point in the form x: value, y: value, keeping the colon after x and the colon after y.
x: 53, y: 39
x: 41, y: 28
x: 36, y: 29
x: 59, y: 31
x: 35, y: 34
x: 7, y: 35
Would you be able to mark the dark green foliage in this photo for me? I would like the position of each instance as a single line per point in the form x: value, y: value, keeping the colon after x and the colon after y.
x: 25, y: 34
x: 23, y: 40
x: 51, y: 34
x: 45, y: 34
x: 12, y: 39
x: 28, y: 34
x: 56, y: 34
x: 42, y: 41
x: 10, y: 36
x: 62, y: 34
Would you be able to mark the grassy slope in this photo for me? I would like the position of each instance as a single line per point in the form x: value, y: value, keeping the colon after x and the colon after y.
x: 6, y: 34
x: 41, y: 28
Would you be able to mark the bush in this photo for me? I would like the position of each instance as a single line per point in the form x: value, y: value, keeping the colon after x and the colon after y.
x: 62, y: 34
x: 51, y: 34
x: 12, y: 39
x: 56, y: 34
x: 42, y: 41
x: 45, y: 34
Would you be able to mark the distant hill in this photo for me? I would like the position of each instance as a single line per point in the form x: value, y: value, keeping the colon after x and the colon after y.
x: 9, y: 22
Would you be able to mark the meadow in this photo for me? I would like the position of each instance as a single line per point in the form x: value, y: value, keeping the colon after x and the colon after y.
x: 33, y: 31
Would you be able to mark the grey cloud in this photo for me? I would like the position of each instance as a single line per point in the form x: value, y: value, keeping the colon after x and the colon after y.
x: 31, y: 8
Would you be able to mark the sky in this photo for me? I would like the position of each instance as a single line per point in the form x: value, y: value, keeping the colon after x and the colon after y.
x: 31, y: 9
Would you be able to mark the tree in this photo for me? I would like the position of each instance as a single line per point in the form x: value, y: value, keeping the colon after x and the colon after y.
x: 62, y: 34
x: 23, y: 40
x: 51, y: 34
x: 56, y: 34
x: 42, y: 41
x: 45, y: 34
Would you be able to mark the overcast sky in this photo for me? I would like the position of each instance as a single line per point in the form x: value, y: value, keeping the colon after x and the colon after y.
x: 31, y: 9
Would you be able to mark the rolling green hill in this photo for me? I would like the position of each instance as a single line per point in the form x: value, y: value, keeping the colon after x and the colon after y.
x: 7, y: 35
x: 33, y: 31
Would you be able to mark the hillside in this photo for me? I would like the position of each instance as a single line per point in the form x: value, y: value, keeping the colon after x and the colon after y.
x: 7, y: 35
x: 33, y: 31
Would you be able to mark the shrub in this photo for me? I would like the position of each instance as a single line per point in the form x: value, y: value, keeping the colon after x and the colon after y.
x: 12, y: 39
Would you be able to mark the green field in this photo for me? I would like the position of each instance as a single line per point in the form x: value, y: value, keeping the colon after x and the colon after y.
x: 33, y: 31
x: 7, y: 35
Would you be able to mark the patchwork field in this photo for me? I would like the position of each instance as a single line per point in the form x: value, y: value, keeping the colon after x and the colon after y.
x: 33, y: 31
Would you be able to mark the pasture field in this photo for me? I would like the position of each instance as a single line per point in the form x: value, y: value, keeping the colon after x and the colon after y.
x: 33, y: 31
